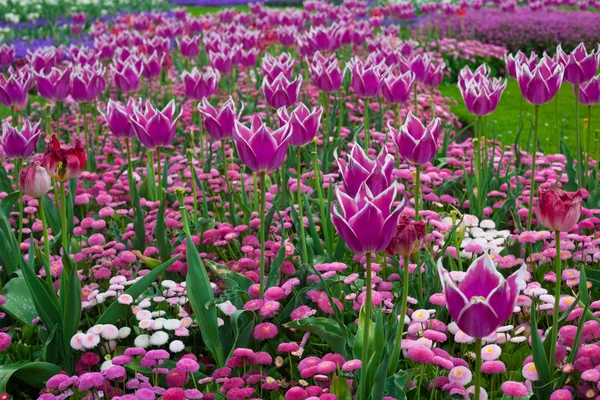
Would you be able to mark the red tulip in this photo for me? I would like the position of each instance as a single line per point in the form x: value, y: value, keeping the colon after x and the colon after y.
x: 64, y: 163
x: 408, y: 237
x: 558, y: 210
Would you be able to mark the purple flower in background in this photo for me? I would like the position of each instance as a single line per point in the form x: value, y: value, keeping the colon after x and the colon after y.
x: 435, y: 74
x: 396, y: 89
x: 481, y: 94
x: 199, y: 85
x: 189, y: 46
x: 366, y: 222
x: 359, y: 169
x: 416, y: 142
x: 580, y: 66
x: 54, y: 86
x: 539, y: 85
x: 515, y: 60
x: 367, y: 77
x: 222, y: 61
x: 419, y: 65
x: 105, y: 47
x: 260, y: 148
x: 87, y: 83
x: 153, y: 127
x: 326, y: 73
x: 287, y: 35
x: 272, y: 67
x: 589, y: 92
x: 42, y: 59
x: 14, y: 87
x: 248, y: 58
x: 280, y: 92
x: 483, y: 300
x: 118, y: 118
x: 219, y: 123
x: 151, y: 66
x: 126, y: 75
x: 303, y: 123
x: 78, y: 18
x: 7, y: 55
x: 20, y: 144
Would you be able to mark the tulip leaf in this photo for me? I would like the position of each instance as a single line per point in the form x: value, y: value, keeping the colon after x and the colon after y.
x: 70, y: 301
x: 274, y: 276
x: 139, y: 240
x: 324, y: 328
x: 116, y: 310
x: 540, y: 358
x: 8, y: 203
x: 32, y: 373
x: 52, y: 217
x: 569, y: 168
x: 6, y: 185
x: 394, y: 385
x: 340, y: 388
x: 242, y: 325
x: 316, y: 240
x: 358, y: 339
x: 19, y: 303
x: 162, y: 240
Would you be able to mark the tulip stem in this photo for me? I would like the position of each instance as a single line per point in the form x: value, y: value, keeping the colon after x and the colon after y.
x: 18, y: 167
x: 190, y: 158
x: 315, y: 160
x: 578, y: 139
x: 400, y: 329
x: 533, y: 162
x: 415, y: 99
x: 226, y: 169
x: 556, y: 123
x: 417, y: 191
x: 263, y: 201
x: 588, y: 146
x: 130, y: 178
x: 46, y: 241
x: 558, y: 274
x: 159, y: 185
x: 341, y: 116
x: 367, y: 323
x: 303, y: 254
x: 477, y: 369
x: 367, y: 125
x: 63, y: 201
x: 150, y: 181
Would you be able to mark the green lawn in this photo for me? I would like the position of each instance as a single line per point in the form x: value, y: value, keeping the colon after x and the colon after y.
x: 200, y: 10
x: 505, y: 120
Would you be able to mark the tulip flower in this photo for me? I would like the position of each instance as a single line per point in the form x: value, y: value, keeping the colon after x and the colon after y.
x: 359, y: 169
x: 281, y: 92
x: 419, y: 65
x: 248, y: 58
x: 514, y: 61
x: 589, y: 92
x: 367, y: 78
x: 13, y: 89
x: 87, y: 83
x: 435, y: 74
x: 152, y: 66
x: 396, y: 89
x: 326, y: 73
x: 7, y: 55
x: 189, y: 46
x: 303, y: 123
x: 219, y: 123
x: 42, y: 60
x: 260, y: 148
x: 272, y: 66
x: 481, y: 95
x: 126, y: 75
x: 34, y: 181
x: 416, y: 142
x: 484, y: 299
x: 118, y: 118
x: 558, y: 210
x: 286, y: 35
x: 222, y: 61
x: 64, y: 163
x: 199, y: 85
x: 540, y: 84
x: 155, y: 128
x: 580, y: 66
x: 54, y: 85
x: 20, y: 144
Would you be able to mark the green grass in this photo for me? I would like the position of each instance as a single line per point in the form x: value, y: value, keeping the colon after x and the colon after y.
x: 201, y: 10
x: 505, y: 120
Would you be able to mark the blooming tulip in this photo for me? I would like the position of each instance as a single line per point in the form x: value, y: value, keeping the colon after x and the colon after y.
x: 54, y: 85
x: 539, y: 85
x: 189, y: 46
x: 396, y: 89
x: 87, y: 83
x: 219, y: 123
x: 580, y: 66
x: 326, y: 73
x: 514, y: 61
x: 118, y: 118
x: 366, y: 222
x: 481, y: 94
x: 199, y: 85
x: 7, y: 55
x: 558, y: 210
x: 281, y: 92
x: 152, y: 65
x: 20, y: 144
x: 64, y: 163
x: 261, y: 149
x: 303, y: 123
x: 153, y: 127
x: 273, y: 66
x: 416, y: 142
x: 126, y: 75
x: 359, y: 169
x: 589, y: 92
x: 34, y: 181
x: 13, y: 90
x: 367, y: 78
x: 483, y: 300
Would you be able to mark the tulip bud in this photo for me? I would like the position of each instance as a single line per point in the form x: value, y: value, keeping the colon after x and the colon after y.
x: 34, y: 181
x: 558, y: 210
x: 407, y: 238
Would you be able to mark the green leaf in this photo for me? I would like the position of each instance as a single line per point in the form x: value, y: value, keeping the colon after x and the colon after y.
x: 139, y: 241
x: 569, y: 167
x: 395, y: 384
x: 19, y: 303
x: 339, y: 387
x: 116, y: 310
x: 539, y: 357
x: 274, y: 274
x: 162, y: 239
x: 70, y: 300
x: 9, y: 201
x: 33, y: 373
x: 201, y: 297
x: 325, y: 328
x: 242, y: 324
x: 358, y: 340
x: 52, y: 217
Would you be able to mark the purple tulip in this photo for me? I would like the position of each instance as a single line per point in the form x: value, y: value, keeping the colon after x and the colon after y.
x: 219, y: 123
x: 304, y: 123
x: 126, y: 75
x: 189, y: 46
x: 396, y: 89
x: 539, y: 85
x: 580, y: 66
x: 153, y: 127
x: 87, y: 83
x: 105, y: 47
x: 367, y: 77
x: 416, y: 142
x: 78, y: 18
x: 54, y: 85
x: 199, y: 85
x: 14, y: 88
x: 465, y: 75
x: 222, y: 61
x: 419, y: 65
x: 42, y: 59
x: 483, y: 300
x: 280, y: 92
x: 481, y: 94
x: 286, y: 35
x: 589, y: 92
x: 326, y: 73
x: 152, y: 66
x: 324, y: 38
x: 20, y: 144
x: 435, y: 74
x: 118, y: 118
x: 272, y: 67
x: 261, y: 149
x: 7, y: 55
x: 157, y: 44
x: 359, y: 169
x: 366, y: 222
x: 248, y: 58
x: 515, y: 60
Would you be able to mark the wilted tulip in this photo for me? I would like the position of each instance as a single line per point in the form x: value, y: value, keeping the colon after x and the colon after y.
x: 20, y: 144
x: 483, y: 300
x: 260, y: 148
x: 407, y: 238
x: 558, y: 210
x: 64, y: 163
x: 303, y: 123
x: 416, y: 142
x: 34, y: 181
